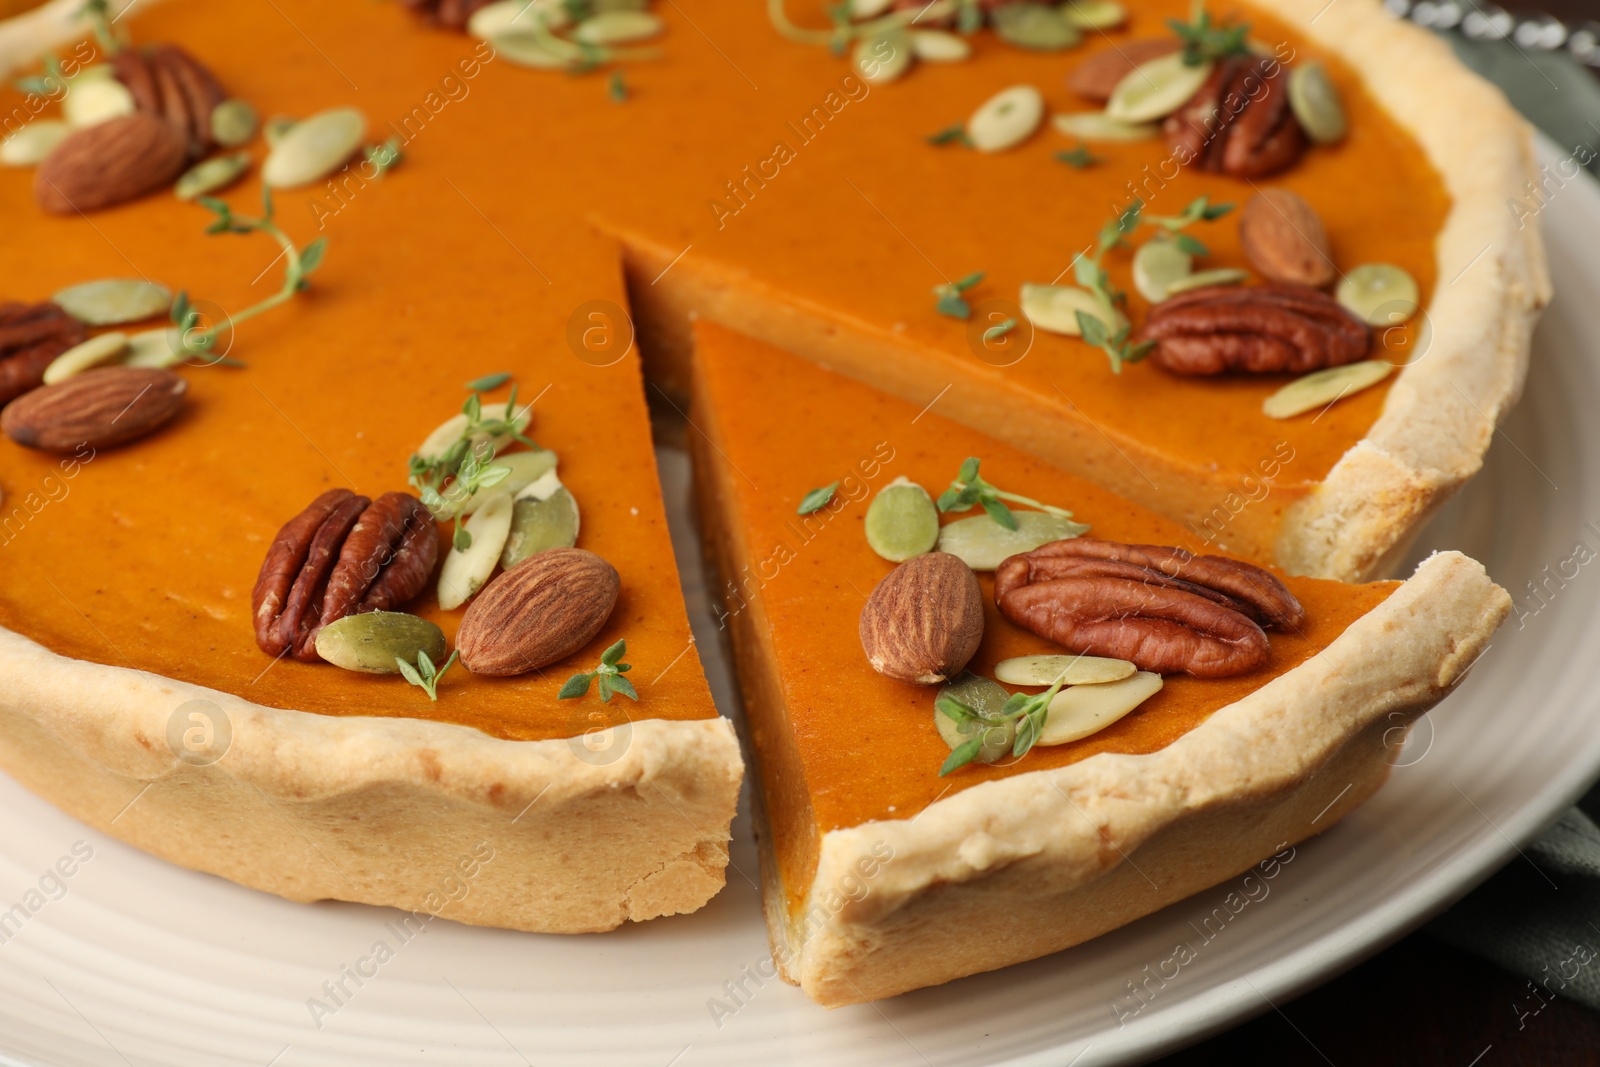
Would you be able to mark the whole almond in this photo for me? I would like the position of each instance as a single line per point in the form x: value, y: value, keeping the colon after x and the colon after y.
x: 924, y: 621
x: 100, y: 408
x: 108, y: 163
x: 1283, y: 238
x: 1095, y: 77
x: 538, y: 612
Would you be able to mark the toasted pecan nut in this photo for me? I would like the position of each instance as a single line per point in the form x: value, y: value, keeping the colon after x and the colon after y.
x: 31, y: 337
x: 1158, y: 607
x: 1261, y: 329
x: 168, y: 82
x: 342, y: 555
x: 1239, y: 121
x: 451, y: 14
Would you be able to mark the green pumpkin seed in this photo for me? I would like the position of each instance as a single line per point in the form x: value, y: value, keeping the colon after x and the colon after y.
x: 104, y: 348
x: 1037, y: 27
x: 1321, y: 388
x: 526, y: 468
x: 539, y: 524
x: 1155, y: 89
x: 1081, y: 710
x: 33, y: 142
x: 233, y: 123
x: 209, y: 175
x: 1380, y: 294
x: 274, y: 129
x: 526, y: 50
x: 464, y: 572
x: 868, y: 9
x: 1072, y: 670
x: 112, y: 301
x: 1201, y: 278
x: 982, y: 544
x: 937, y: 46
x: 1007, y: 118
x: 517, y: 17
x: 313, y: 149
x: 1094, y: 14
x: 1054, y: 308
x: 985, y: 698
x: 883, y: 57
x: 618, y: 27
x: 1096, y: 126
x: 902, y: 521
x: 1157, y: 265
x: 96, y: 101
x: 154, y: 348
x: 1315, y: 102
x: 371, y: 642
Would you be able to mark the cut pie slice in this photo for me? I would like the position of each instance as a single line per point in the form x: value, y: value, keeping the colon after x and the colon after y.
x: 882, y: 874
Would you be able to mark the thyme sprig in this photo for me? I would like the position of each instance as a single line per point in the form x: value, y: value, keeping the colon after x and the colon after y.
x: 969, y: 488
x: 47, y: 84
x: 423, y: 675
x: 1079, y: 158
x: 98, y: 12
x: 1200, y: 209
x: 1028, y: 710
x: 299, y: 264
x: 449, y: 479
x: 609, y: 674
x: 1205, y: 41
x: 816, y: 499
x: 951, y: 298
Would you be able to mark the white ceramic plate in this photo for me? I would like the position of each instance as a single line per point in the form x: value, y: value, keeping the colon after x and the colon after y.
x: 132, y: 961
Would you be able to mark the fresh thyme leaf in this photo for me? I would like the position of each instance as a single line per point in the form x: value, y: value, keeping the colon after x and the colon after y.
x: 817, y: 499
x: 956, y: 134
x: 621, y: 685
x: 1191, y: 245
x: 999, y: 329
x: 423, y: 675
x: 1205, y: 41
x: 999, y: 512
x: 1079, y: 157
x: 609, y: 673
x: 617, y: 88
x: 489, y: 382
x: 950, y: 299
x: 1032, y: 709
x: 385, y: 157
x: 611, y: 655
x: 969, y: 488
x: 575, y: 687
x: 962, y: 755
x: 98, y: 12
x: 462, y: 539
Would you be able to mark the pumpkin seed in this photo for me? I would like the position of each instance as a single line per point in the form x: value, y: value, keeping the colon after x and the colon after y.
x: 618, y: 27
x: 1321, y: 388
x: 985, y: 698
x: 112, y: 301
x: 92, y: 73
x: 233, y: 123
x: 1055, y: 308
x: 1007, y: 118
x: 1201, y: 278
x: 1156, y: 265
x: 517, y: 16
x: 526, y: 50
x: 867, y: 9
x: 273, y: 130
x: 1380, y: 294
x: 1082, y: 710
x: 902, y: 521
x: 1315, y: 102
x: 103, y: 348
x: 464, y: 572
x: 450, y: 430
x: 883, y: 57
x: 1033, y: 26
x: 937, y: 46
x: 373, y: 641
x: 982, y: 544
x: 313, y: 149
x: 95, y: 101
x: 1072, y: 670
x: 154, y: 348
x: 526, y: 468
x: 33, y: 142
x: 209, y: 175
x: 1155, y: 89
x: 1096, y: 126
x: 540, y: 523
x: 1094, y: 14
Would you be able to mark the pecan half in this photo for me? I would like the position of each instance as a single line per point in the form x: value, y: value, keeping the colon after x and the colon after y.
x: 1239, y: 121
x: 1161, y: 608
x: 342, y: 555
x: 31, y: 336
x: 1261, y: 329
x: 451, y: 14
x: 165, y: 80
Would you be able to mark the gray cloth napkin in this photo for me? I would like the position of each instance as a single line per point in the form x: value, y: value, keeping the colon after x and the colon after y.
x: 1539, y: 916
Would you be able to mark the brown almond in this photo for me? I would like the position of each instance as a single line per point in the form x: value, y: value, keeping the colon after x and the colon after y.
x: 108, y: 163
x: 1096, y: 76
x: 100, y: 408
x: 924, y: 621
x: 538, y: 613
x: 1283, y: 238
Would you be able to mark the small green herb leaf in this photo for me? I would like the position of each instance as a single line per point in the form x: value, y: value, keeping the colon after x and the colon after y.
x: 969, y: 488
x: 1078, y: 158
x: 423, y: 675
x: 956, y: 134
x: 489, y: 382
x: 575, y: 687
x: 609, y: 674
x: 817, y: 499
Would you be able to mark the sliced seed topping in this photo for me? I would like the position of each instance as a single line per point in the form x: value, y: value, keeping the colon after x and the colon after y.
x: 982, y: 544
x: 154, y: 348
x: 1202, y: 278
x: 1380, y: 294
x: 1055, y: 308
x: 1155, y: 89
x: 1315, y: 102
x: 233, y: 123
x: 96, y: 101
x: 371, y: 642
x: 526, y: 50
x: 1098, y: 126
x: 882, y: 58
x: 212, y: 174
x: 105, y: 348
x: 1038, y: 27
x: 1094, y: 14
x: 311, y: 150
x: 526, y: 468
x: 112, y: 301
x: 1321, y: 388
x: 937, y: 46
x: 988, y: 699
x: 1157, y: 265
x: 465, y: 570
x: 517, y: 16
x: 1082, y: 710
x: 902, y: 521
x: 1007, y: 118
x: 33, y: 142
x: 619, y: 27
x: 1070, y: 670
x: 539, y: 523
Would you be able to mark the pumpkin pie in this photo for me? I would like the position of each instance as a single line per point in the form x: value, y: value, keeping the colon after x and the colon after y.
x: 881, y: 874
